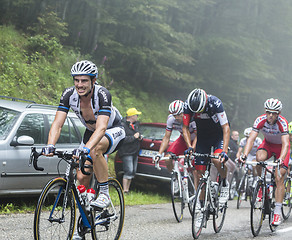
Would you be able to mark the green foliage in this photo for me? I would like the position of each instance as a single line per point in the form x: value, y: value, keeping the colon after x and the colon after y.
x: 50, y: 25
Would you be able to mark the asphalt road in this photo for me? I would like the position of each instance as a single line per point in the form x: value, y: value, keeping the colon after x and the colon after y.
x: 157, y: 222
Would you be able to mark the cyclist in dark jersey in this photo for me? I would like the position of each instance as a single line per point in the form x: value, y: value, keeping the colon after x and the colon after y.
x: 212, y: 131
x: 92, y: 104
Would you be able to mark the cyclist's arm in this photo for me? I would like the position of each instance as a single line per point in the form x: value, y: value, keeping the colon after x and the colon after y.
x: 165, y: 141
x: 56, y: 127
x: 186, y: 131
x: 285, y: 146
x: 239, y: 152
x: 226, y: 136
x: 101, y: 126
x: 249, y: 144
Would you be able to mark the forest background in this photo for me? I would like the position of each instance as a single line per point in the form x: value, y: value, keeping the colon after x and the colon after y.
x: 150, y: 53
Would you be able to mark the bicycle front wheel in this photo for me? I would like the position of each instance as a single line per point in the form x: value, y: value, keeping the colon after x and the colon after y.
x: 176, y: 197
x: 108, y: 224
x: 49, y: 221
x: 219, y: 214
x: 199, y: 210
x: 241, y: 191
x: 192, y: 192
x: 287, y: 202
x: 257, y: 210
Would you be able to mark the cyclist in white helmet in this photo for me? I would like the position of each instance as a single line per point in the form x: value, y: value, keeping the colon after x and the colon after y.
x: 276, y: 141
x: 92, y: 104
x: 174, y: 121
x: 252, y: 155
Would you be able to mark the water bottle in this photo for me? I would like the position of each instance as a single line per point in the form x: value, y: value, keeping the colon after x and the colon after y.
x: 90, y: 194
x: 83, y: 194
x: 250, y: 180
x: 185, y: 187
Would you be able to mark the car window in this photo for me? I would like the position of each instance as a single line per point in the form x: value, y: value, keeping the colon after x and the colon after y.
x: 8, y: 118
x: 156, y: 133
x: 68, y: 133
x: 33, y: 125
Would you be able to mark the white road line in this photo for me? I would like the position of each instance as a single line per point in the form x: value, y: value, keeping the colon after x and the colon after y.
x: 285, y: 230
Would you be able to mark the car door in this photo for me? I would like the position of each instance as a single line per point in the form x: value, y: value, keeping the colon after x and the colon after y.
x: 17, y: 176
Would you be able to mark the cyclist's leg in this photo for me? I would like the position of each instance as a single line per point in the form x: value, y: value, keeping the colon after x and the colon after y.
x: 107, y: 145
x: 177, y: 147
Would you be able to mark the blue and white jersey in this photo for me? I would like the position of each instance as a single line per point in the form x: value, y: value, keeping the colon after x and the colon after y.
x: 209, y: 121
x: 101, y: 104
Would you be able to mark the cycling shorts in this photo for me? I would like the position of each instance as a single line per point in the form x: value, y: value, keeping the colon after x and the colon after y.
x: 204, y: 146
x: 115, y: 136
x: 272, y: 149
x: 178, y: 146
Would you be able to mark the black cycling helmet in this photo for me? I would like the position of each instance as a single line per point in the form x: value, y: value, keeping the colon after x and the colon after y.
x: 197, y: 100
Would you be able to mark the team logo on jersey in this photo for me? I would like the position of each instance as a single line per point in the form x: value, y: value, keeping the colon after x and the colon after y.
x: 217, y: 103
x: 104, y: 95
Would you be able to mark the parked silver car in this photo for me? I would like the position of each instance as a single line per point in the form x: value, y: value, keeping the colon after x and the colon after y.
x: 24, y: 124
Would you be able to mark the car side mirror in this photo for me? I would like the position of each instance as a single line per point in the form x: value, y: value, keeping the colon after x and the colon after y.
x: 23, y: 141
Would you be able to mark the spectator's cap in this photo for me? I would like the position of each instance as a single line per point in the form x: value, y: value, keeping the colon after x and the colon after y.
x: 132, y: 112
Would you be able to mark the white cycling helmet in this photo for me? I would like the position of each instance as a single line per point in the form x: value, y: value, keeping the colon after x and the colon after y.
x: 176, y: 107
x: 273, y: 105
x: 84, y: 67
x: 197, y: 100
x: 247, y: 131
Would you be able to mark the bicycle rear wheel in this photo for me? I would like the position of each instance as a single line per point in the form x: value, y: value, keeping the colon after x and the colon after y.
x: 48, y: 220
x: 287, y: 202
x: 110, y: 221
x: 257, y: 210
x: 199, y: 211
x: 176, y: 197
x: 241, y: 190
x: 220, y: 212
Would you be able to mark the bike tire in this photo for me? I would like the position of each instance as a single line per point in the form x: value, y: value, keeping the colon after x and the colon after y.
x: 108, y: 224
x: 257, y: 210
x: 287, y: 203
x: 176, y: 198
x: 241, y: 190
x: 199, y: 212
x: 219, y: 213
x: 48, y: 213
x: 271, y: 215
x: 192, y: 192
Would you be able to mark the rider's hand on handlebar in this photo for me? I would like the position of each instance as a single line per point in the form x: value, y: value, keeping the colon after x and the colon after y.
x: 48, y: 150
x: 223, y: 157
x: 156, y: 158
x: 242, y: 159
x: 279, y: 160
x: 189, y: 151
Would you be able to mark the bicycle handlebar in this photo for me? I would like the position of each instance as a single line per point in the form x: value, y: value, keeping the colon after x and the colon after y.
x: 60, y: 154
x: 175, y: 157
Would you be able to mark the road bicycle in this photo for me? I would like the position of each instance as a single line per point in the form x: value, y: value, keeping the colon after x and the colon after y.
x: 206, y: 202
x: 182, y: 186
x: 287, y: 202
x: 263, y: 198
x: 245, y: 188
x: 55, y: 214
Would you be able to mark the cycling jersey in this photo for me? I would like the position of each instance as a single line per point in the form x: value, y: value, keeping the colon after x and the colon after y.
x: 256, y: 144
x: 101, y: 104
x: 271, y: 132
x: 172, y: 123
x: 209, y: 121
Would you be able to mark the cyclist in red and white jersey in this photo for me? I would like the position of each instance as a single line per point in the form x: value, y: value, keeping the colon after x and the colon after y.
x: 276, y: 141
x: 175, y: 121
